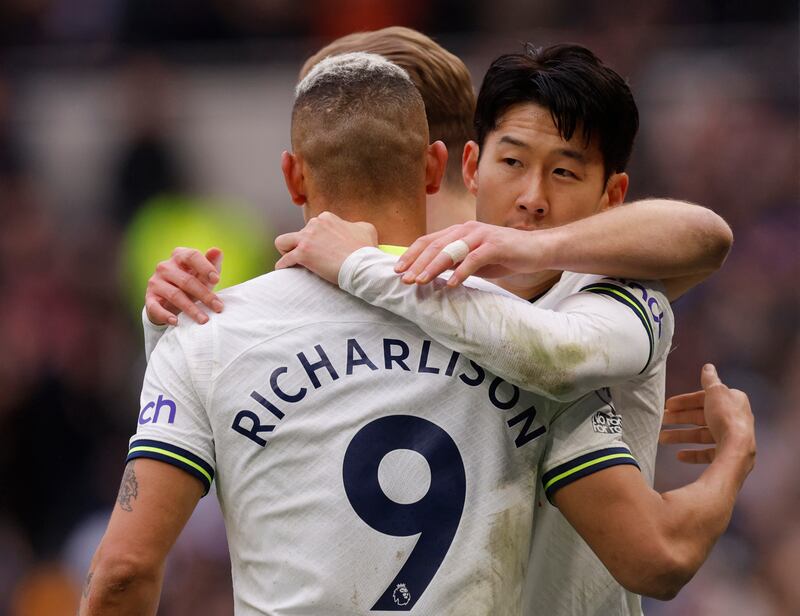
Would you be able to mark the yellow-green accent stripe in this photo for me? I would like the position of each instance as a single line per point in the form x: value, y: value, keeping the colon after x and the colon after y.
x: 393, y: 250
x: 580, y: 467
x: 636, y: 306
x: 175, y: 456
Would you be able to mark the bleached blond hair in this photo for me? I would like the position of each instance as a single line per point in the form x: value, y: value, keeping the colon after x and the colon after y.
x: 359, y: 123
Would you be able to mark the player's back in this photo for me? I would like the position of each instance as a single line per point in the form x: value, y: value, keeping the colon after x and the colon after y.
x: 360, y: 466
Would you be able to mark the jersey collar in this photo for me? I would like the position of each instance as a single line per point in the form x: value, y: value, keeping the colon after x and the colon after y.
x: 392, y: 250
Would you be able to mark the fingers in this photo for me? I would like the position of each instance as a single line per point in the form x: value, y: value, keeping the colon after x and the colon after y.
x: 474, y: 261
x: 686, y: 401
x: 161, y: 290
x: 189, y: 285
x: 192, y: 260
x: 700, y: 436
x: 415, y: 250
x: 433, y: 261
x: 432, y: 249
x: 287, y: 260
x: 214, y: 255
x: 709, y: 377
x: 695, y: 417
x: 697, y: 456
x: 157, y: 314
x: 287, y: 242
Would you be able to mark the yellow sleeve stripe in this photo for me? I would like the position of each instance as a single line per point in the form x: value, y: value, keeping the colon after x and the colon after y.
x: 584, y: 465
x: 169, y: 454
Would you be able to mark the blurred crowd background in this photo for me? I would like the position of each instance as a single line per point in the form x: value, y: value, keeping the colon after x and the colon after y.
x: 121, y: 120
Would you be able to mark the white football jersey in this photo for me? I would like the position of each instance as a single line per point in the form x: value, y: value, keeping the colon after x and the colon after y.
x: 361, y: 466
x: 586, y: 332
x: 570, y: 578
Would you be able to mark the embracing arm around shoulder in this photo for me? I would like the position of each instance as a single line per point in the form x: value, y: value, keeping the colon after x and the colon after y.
x: 608, y: 333
x: 654, y: 543
x: 656, y: 239
x: 155, y: 500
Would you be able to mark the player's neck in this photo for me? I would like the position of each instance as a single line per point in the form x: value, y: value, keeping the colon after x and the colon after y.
x: 529, y: 286
x: 449, y: 207
x: 398, y: 223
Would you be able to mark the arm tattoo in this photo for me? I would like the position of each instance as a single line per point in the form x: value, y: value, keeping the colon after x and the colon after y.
x: 129, y: 489
x: 86, y: 584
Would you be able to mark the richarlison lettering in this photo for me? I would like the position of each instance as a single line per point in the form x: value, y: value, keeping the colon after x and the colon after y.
x: 151, y: 413
x: 396, y: 355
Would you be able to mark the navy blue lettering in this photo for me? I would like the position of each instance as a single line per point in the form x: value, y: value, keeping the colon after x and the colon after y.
x: 503, y: 406
x: 352, y: 348
x: 476, y: 380
x: 452, y: 365
x: 423, y: 359
x: 524, y: 436
x: 388, y: 357
x: 311, y: 369
x: 266, y: 404
x: 254, y: 431
x: 273, y: 383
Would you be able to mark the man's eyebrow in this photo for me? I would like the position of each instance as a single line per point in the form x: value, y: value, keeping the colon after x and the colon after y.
x: 513, y: 141
x: 573, y: 154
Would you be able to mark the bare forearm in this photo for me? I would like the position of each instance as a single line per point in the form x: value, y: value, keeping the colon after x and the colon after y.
x: 653, y: 239
x: 693, y: 517
x: 116, y: 592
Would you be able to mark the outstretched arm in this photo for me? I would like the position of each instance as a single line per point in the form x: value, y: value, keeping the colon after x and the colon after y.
x: 154, y: 503
x: 678, y: 243
x: 654, y: 543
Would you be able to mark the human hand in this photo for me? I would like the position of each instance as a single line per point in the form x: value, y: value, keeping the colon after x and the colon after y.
x: 722, y: 417
x: 186, y: 277
x: 324, y: 244
x: 494, y: 252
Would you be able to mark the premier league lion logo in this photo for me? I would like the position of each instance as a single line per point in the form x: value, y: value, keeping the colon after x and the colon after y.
x: 401, y: 595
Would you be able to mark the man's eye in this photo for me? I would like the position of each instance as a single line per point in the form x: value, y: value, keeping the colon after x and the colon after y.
x: 512, y: 162
x: 564, y: 173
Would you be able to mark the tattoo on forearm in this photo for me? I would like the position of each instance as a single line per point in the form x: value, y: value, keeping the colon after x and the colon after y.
x: 86, y: 584
x: 129, y: 489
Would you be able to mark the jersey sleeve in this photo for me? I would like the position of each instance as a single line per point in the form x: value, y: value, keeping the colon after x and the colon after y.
x: 152, y: 334
x: 583, y: 439
x: 646, y: 301
x: 173, y: 425
x: 589, y: 341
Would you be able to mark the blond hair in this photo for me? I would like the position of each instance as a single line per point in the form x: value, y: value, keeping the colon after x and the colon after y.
x: 359, y: 123
x: 441, y: 78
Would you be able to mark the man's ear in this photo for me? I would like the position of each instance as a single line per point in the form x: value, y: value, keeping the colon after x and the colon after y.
x: 469, y: 166
x: 616, y: 189
x: 291, y: 165
x: 435, y: 165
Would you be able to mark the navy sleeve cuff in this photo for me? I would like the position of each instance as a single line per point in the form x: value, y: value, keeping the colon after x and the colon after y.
x: 183, y: 459
x: 564, y: 474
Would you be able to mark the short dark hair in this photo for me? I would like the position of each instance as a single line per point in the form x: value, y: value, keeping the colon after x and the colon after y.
x: 575, y: 86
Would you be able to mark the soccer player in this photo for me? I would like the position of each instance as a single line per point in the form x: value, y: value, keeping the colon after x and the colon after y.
x: 677, y: 242
x: 542, y: 159
x: 360, y: 466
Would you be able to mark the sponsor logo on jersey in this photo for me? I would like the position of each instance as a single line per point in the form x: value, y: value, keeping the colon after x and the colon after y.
x: 401, y: 595
x: 607, y: 422
x: 151, y: 412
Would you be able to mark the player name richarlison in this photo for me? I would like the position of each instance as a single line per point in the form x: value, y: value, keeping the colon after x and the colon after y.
x: 395, y: 354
